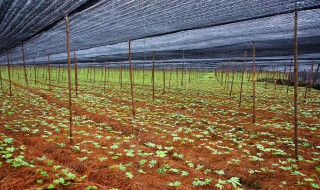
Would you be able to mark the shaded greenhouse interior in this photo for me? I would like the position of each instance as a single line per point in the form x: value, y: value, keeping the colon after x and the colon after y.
x: 203, y: 34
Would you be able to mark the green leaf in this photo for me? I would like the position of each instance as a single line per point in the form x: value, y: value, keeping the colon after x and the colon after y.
x: 129, y: 175
x: 235, y: 181
x: 315, y: 185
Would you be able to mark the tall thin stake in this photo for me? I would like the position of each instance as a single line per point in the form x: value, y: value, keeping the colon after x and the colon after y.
x: 153, y: 76
x: 25, y: 73
x: 131, y: 79
x: 289, y: 77
x: 296, y: 69
x: 243, y: 70
x: 8, y: 61
x: 49, y: 72
x: 76, y: 71
x: 1, y: 79
x: 254, y: 83
x: 69, y: 78
x: 164, y: 74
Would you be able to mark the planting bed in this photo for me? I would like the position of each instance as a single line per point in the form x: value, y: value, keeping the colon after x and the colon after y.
x: 193, y: 135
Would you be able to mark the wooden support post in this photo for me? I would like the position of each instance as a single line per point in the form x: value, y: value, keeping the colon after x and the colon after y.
x: 310, y: 76
x: 182, y: 73
x: 170, y: 77
x: 190, y: 73
x: 296, y: 70
x: 35, y: 72
x: 25, y: 73
x: 315, y: 75
x: 9, y: 74
x: 105, y: 74
x: 222, y: 75
x: 164, y: 74
x: 233, y: 72
x: 254, y: 83
x: 59, y: 73
x: 49, y: 72
x: 177, y: 74
x: 283, y: 75
x: 121, y: 74
x: 153, y: 55
x: 131, y: 79
x: 94, y: 69
x: 1, y: 79
x: 76, y: 71
x: 143, y: 71
x: 289, y: 77
x: 69, y: 79
x: 243, y: 70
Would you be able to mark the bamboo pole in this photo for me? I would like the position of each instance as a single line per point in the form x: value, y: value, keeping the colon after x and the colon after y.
x: 310, y: 77
x: 243, y: 70
x: 94, y: 69
x: 143, y: 71
x: 164, y: 74
x: 35, y: 73
x: 1, y: 79
x: 189, y: 73
x: 9, y: 75
x: 105, y: 74
x: 284, y: 75
x: 222, y: 75
x: 296, y: 69
x: 131, y: 79
x: 121, y: 74
x: 316, y: 74
x: 49, y: 72
x: 59, y: 73
x: 170, y: 77
x: 289, y: 77
x: 177, y: 75
x: 153, y: 76
x: 182, y: 73
x: 76, y: 71
x: 69, y: 78
x: 233, y: 72
x: 25, y: 73
x: 254, y: 83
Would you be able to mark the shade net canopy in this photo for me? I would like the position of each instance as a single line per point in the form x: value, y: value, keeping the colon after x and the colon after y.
x: 200, y: 33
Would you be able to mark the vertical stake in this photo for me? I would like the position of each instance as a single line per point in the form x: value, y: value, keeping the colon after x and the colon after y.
x: 1, y: 79
x: 25, y: 73
x: 164, y: 74
x: 131, y: 80
x: 244, y: 66
x: 289, y: 77
x: 254, y: 83
x: 8, y: 61
x: 49, y: 72
x: 121, y: 74
x: 76, y: 71
x: 105, y: 74
x: 69, y: 78
x: 296, y: 69
x: 153, y: 77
